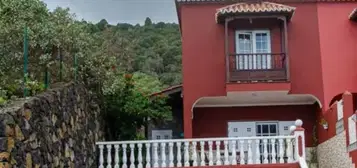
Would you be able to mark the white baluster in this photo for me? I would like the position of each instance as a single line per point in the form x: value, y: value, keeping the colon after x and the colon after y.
x: 234, y: 152
x: 250, y: 153
x: 226, y: 157
x: 273, y: 153
x: 132, y: 156
x: 156, y: 157
x: 116, y: 159
x: 257, y: 151
x: 265, y: 143
x: 194, y: 153
x: 124, y: 156
x: 186, y: 155
x: 289, y: 151
x: 281, y: 151
x: 140, y: 157
x: 241, y: 153
x: 109, y: 156
x: 171, y: 154
x: 179, y: 159
x: 148, y: 165
x: 163, y: 154
x: 202, y: 152
x: 210, y: 153
x: 218, y: 153
x: 101, y: 157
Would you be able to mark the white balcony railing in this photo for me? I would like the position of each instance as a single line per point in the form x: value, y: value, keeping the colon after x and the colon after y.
x: 203, y: 152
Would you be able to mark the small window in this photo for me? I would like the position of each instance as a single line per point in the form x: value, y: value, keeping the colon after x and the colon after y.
x: 166, y: 137
x: 158, y: 137
x: 286, y: 128
x: 235, y: 129
x: 249, y: 129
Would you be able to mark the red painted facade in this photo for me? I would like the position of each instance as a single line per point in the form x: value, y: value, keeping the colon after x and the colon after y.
x: 322, y: 61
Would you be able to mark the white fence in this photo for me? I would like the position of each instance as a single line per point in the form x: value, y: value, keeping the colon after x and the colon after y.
x: 202, y: 152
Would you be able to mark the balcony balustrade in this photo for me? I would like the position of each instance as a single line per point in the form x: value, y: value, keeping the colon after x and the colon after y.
x: 257, y: 67
x: 203, y: 151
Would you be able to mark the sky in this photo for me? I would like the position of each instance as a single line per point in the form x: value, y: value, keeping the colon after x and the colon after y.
x: 119, y: 11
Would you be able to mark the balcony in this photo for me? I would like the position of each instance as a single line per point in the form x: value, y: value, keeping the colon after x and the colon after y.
x: 257, y: 32
x: 257, y: 67
x: 265, y: 151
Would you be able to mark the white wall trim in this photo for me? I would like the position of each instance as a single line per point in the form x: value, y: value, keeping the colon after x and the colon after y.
x: 257, y: 104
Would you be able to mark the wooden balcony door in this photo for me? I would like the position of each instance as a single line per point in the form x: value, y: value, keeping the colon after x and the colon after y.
x: 257, y: 43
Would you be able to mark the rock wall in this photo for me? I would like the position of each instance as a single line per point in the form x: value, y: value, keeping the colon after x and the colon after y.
x: 58, y: 128
x: 333, y: 154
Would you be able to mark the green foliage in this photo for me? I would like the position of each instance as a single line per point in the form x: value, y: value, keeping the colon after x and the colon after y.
x: 128, y: 109
x: 152, y: 53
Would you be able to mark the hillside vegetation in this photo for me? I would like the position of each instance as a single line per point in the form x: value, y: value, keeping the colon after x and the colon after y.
x: 123, y: 62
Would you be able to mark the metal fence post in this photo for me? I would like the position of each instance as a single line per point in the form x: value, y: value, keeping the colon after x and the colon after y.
x: 25, y: 60
x: 75, y: 67
x: 46, y: 74
x: 61, y: 64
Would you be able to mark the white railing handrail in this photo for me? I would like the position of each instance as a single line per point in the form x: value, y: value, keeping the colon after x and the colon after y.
x: 194, y: 140
x: 205, y: 151
x: 302, y: 162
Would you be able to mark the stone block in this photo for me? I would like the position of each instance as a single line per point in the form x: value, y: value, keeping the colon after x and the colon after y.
x: 10, y: 144
x: 27, y: 114
x: 4, y: 156
x: 28, y: 160
x: 4, y: 165
x: 18, y: 133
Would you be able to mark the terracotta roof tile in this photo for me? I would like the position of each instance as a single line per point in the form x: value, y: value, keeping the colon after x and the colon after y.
x: 255, y: 7
x: 259, y: 7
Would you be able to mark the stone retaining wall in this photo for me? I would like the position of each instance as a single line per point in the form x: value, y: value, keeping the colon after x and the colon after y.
x: 58, y: 128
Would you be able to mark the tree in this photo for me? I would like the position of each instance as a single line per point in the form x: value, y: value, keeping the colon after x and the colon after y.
x: 148, y: 21
x: 128, y: 108
x: 102, y: 24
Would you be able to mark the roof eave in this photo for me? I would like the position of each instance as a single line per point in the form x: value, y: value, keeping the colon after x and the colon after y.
x: 220, y: 19
x: 353, y: 15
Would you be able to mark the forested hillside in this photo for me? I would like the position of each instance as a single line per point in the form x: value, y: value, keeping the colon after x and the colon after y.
x: 152, y: 52
x: 154, y: 48
x: 122, y: 64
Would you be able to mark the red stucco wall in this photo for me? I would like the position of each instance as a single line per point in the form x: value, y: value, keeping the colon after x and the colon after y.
x: 338, y: 49
x: 321, y: 46
x: 212, y: 122
x: 203, y: 62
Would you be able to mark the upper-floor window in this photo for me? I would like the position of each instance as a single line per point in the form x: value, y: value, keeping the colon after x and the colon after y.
x: 253, y: 49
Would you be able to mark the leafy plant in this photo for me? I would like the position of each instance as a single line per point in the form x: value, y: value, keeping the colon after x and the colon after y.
x: 128, y: 109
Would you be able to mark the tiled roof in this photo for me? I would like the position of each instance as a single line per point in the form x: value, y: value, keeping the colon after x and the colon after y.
x: 353, y: 15
x: 255, y: 7
x: 249, y: 8
x: 169, y: 89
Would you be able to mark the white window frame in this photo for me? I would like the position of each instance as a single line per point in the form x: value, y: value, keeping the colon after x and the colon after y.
x: 254, y: 47
x: 276, y: 123
x: 280, y: 126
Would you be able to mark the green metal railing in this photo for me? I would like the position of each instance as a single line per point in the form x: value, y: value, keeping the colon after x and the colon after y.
x: 46, y: 71
x: 25, y: 59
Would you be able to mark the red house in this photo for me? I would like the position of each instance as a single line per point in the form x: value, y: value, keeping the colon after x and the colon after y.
x: 251, y: 70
